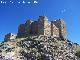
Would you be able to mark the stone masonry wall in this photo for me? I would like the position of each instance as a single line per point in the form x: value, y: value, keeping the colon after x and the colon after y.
x: 34, y: 28
x: 41, y: 22
x: 55, y: 28
x: 60, y: 24
x: 28, y: 27
x: 47, y: 29
x: 21, y: 30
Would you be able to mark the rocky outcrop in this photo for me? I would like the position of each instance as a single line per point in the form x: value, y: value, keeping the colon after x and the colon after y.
x: 38, y: 48
x: 39, y: 40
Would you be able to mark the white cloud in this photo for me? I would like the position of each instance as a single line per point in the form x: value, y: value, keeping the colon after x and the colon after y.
x: 5, y: 2
x: 12, y: 2
x: 1, y: 2
x: 23, y: 2
x: 29, y: 2
x: 19, y: 2
x: 35, y: 2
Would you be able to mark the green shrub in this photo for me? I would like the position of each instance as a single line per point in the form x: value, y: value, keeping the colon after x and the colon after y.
x: 4, y: 41
x: 34, y: 50
x: 78, y: 54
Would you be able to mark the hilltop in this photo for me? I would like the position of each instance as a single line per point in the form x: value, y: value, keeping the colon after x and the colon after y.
x: 39, y: 40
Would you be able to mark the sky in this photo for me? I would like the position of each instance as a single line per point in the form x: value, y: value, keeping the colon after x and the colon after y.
x: 15, y: 12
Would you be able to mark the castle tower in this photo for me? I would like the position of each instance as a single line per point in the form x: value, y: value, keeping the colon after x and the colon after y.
x: 43, y: 26
x: 60, y: 24
x: 28, y: 27
x: 34, y: 28
x: 21, y: 30
x: 54, y: 30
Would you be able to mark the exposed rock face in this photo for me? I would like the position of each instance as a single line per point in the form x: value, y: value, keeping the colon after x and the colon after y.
x: 38, y: 48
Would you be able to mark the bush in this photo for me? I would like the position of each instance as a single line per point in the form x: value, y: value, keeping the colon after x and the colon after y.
x: 78, y: 54
x: 4, y: 41
x: 34, y: 50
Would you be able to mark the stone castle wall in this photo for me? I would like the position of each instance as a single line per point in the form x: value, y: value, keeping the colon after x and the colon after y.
x: 28, y: 26
x: 55, y: 28
x: 60, y: 24
x: 34, y: 28
x: 21, y: 30
x: 44, y: 27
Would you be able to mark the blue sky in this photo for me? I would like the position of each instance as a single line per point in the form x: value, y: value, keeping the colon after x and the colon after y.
x: 13, y: 14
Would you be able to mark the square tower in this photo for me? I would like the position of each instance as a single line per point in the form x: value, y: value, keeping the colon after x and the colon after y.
x: 28, y: 26
x: 60, y: 24
x: 44, y: 28
x: 34, y: 28
x: 21, y: 30
x: 54, y: 30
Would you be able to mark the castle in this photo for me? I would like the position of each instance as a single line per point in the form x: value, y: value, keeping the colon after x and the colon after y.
x: 44, y: 27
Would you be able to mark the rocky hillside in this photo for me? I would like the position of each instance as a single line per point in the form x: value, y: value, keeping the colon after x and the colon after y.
x: 38, y: 48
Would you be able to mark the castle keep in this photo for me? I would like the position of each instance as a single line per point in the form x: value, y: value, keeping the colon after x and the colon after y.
x: 44, y: 27
x: 55, y: 28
